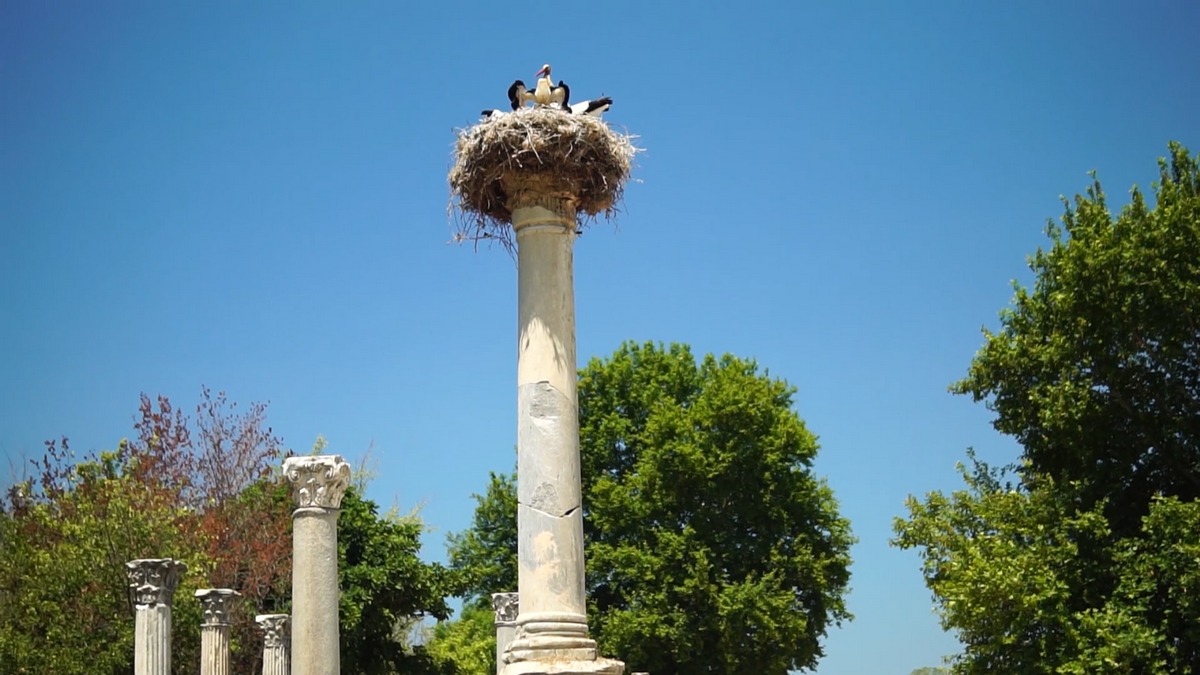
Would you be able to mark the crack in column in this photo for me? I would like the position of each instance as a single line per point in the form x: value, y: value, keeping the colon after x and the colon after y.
x: 566, y: 514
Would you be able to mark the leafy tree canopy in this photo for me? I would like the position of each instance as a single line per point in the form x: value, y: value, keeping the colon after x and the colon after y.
x: 466, y: 646
x: 206, y: 490
x: 1084, y: 557
x: 1096, y: 370
x: 711, y: 546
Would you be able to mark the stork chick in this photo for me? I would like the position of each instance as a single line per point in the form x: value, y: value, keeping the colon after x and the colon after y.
x: 518, y: 95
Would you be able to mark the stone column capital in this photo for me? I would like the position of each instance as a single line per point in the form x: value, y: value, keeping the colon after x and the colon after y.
x: 527, y: 191
x: 275, y: 628
x: 152, y: 581
x: 318, y: 480
x: 506, y: 606
x: 216, y: 604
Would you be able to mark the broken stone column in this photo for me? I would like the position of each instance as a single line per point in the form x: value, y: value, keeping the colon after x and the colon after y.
x: 152, y: 584
x: 214, y: 629
x: 276, y: 643
x: 506, y: 607
x: 552, y: 632
x: 318, y: 484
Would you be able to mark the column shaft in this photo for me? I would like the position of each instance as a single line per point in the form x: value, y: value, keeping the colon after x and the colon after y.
x: 214, y: 629
x: 275, y: 662
x: 276, y: 638
x: 552, y: 624
x: 315, y: 592
x: 152, y: 641
x: 214, y: 650
x: 318, y: 483
x: 152, y: 584
x: 549, y: 520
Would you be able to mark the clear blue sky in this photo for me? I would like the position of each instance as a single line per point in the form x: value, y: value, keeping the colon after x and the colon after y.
x: 252, y: 196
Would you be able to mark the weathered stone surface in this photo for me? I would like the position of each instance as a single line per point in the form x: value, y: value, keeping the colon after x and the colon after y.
x: 152, y: 584
x: 152, y: 640
x: 545, y: 299
x: 548, y: 449
x: 214, y: 629
x: 550, y: 560
x: 318, y: 481
x: 153, y: 581
x: 551, y: 634
x: 599, y: 666
x: 216, y: 603
x: 276, y: 643
x: 507, y: 608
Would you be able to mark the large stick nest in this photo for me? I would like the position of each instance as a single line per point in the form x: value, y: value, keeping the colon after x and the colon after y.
x: 573, y: 156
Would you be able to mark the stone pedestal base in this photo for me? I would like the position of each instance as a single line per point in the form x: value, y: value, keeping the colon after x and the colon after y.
x: 599, y: 666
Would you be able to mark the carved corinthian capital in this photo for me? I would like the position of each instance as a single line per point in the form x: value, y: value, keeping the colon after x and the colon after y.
x: 216, y: 603
x: 318, y: 481
x: 506, y: 606
x: 276, y: 629
x: 152, y: 581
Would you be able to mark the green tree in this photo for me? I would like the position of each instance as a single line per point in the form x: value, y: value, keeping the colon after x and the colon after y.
x: 1082, y: 558
x: 204, y: 490
x: 386, y: 589
x: 64, y: 603
x: 466, y: 646
x: 711, y: 545
x: 486, y: 554
x: 1096, y: 371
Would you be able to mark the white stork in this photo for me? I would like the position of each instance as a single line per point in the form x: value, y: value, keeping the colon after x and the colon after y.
x: 594, y: 107
x: 546, y: 93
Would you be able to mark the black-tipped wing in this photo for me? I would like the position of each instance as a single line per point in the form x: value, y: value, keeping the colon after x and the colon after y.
x: 562, y: 95
x: 516, y: 94
x: 593, y: 107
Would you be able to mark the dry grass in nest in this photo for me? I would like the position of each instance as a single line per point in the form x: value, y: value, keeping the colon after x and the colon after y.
x: 570, y: 155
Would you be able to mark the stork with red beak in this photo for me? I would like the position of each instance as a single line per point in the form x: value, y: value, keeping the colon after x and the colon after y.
x: 546, y: 93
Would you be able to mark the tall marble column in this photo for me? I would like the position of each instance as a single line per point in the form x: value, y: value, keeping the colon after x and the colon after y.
x: 506, y: 606
x: 318, y: 484
x: 552, y: 632
x: 214, y: 629
x: 276, y: 643
x: 152, y: 584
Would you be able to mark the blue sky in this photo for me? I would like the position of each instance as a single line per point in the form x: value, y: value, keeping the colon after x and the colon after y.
x: 252, y: 197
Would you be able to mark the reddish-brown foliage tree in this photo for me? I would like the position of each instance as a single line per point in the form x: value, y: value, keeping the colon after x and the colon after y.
x: 222, y: 463
x: 209, y: 483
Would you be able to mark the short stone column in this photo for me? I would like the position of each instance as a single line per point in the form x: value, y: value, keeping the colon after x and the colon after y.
x: 152, y: 584
x: 276, y: 643
x: 214, y: 629
x: 506, y: 606
x: 318, y: 484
